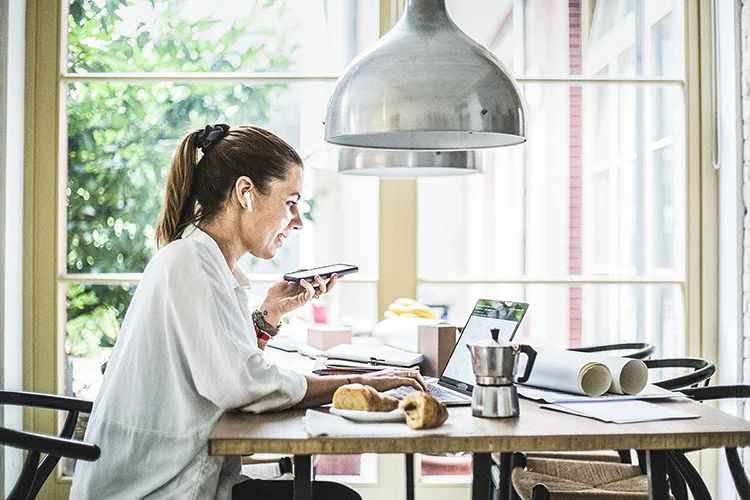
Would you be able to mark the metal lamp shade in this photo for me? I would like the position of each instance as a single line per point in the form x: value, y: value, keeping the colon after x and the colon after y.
x: 426, y: 85
x: 408, y: 164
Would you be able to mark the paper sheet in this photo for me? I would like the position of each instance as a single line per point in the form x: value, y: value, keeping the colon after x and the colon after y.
x: 621, y: 412
x: 550, y: 396
x: 320, y: 422
x: 586, y: 374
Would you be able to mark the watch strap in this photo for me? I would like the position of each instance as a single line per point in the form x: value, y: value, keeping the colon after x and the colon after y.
x: 261, y: 324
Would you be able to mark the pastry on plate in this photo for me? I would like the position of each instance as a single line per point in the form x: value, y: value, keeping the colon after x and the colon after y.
x: 423, y: 411
x: 362, y: 398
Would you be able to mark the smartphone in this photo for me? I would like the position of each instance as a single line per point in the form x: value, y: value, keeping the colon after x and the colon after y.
x: 323, y: 272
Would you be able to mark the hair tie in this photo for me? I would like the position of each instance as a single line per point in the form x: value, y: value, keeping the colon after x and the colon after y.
x: 206, y: 139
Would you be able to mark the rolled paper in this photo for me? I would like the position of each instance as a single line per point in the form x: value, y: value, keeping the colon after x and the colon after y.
x: 585, y: 373
x: 629, y: 376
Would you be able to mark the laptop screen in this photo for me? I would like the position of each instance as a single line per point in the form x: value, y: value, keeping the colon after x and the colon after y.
x: 504, y: 315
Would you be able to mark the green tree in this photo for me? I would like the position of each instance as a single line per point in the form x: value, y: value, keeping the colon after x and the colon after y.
x: 121, y: 135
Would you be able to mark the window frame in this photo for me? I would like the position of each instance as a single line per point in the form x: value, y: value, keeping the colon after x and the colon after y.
x: 44, y: 201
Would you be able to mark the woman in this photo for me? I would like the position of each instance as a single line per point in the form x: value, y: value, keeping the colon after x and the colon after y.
x: 189, y: 348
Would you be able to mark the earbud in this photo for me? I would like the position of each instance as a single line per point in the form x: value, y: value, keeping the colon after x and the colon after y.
x: 249, y: 203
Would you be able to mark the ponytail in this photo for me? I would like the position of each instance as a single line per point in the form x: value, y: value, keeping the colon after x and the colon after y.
x: 179, y: 210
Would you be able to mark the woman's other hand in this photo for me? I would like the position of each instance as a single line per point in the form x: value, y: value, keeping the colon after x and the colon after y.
x: 391, y: 378
x: 286, y: 296
x: 320, y: 390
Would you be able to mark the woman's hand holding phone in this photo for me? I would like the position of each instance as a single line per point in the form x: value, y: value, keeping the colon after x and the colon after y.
x: 285, y: 296
x: 300, y: 287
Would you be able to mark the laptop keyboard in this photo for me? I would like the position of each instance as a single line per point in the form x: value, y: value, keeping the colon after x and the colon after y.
x: 440, y: 393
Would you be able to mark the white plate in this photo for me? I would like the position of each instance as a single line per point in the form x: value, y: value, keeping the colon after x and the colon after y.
x: 370, y: 416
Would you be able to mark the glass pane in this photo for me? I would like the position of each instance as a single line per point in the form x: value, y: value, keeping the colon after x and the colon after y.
x: 446, y: 468
x: 312, y: 36
x: 337, y: 465
x: 345, y: 210
x: 542, y: 38
x: 346, y: 468
x: 118, y: 162
x: 94, y: 314
x: 592, y: 192
x: 571, y: 315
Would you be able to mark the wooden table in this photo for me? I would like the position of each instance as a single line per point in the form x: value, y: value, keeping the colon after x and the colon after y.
x: 536, y: 429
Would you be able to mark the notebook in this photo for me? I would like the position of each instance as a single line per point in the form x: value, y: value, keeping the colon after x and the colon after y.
x: 456, y: 382
x: 376, y: 356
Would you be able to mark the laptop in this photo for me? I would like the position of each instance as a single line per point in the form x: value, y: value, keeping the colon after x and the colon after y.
x: 456, y: 382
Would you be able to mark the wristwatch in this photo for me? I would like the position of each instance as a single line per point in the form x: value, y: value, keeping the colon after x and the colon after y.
x: 263, y: 325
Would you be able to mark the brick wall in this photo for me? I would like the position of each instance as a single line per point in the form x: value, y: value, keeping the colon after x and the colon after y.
x: 574, y: 265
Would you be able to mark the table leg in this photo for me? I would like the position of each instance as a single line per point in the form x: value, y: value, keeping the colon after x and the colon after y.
x: 303, y: 486
x: 656, y: 464
x: 481, y: 477
x: 409, y: 476
x: 506, y: 469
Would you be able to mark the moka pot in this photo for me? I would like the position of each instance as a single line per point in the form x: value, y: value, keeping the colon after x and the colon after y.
x: 495, y: 364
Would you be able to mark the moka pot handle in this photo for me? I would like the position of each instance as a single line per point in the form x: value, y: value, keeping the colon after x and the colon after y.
x: 531, y: 355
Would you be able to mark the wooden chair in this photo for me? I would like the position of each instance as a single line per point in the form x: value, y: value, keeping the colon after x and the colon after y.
x: 702, y: 371
x: 736, y: 469
x: 36, y: 470
x: 634, y: 350
x: 535, y: 478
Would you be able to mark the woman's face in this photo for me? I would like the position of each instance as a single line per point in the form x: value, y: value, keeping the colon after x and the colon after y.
x: 275, y: 214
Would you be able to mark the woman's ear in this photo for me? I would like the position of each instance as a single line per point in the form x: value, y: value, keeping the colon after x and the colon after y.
x: 243, y: 192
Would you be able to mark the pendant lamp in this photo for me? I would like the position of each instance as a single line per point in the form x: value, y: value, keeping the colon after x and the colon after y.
x: 408, y: 164
x: 426, y: 85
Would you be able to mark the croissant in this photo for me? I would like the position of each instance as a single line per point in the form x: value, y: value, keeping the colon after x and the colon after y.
x: 423, y: 411
x: 363, y: 398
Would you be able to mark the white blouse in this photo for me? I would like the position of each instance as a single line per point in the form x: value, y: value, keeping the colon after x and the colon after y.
x: 186, y: 353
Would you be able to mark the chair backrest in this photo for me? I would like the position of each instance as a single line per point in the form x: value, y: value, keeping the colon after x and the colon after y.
x: 35, y: 471
x: 702, y: 372
x: 634, y: 350
x: 740, y: 391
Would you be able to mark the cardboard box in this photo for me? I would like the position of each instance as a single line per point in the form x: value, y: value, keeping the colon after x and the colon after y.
x: 326, y: 336
x: 435, y: 343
